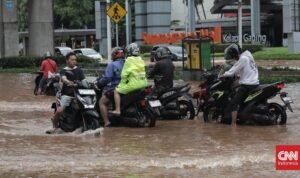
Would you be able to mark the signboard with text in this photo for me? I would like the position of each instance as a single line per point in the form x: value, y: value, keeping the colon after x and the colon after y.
x: 247, y: 38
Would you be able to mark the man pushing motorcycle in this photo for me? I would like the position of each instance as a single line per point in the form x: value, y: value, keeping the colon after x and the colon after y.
x: 247, y: 70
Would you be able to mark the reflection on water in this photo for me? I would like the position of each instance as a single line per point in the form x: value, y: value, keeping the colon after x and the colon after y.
x: 172, y: 149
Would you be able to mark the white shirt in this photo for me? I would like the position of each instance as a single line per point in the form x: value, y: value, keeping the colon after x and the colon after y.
x: 246, y: 69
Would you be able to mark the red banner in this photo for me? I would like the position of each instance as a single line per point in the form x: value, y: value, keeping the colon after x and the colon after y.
x: 287, y: 157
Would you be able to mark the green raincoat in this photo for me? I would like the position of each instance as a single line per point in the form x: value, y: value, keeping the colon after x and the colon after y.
x: 133, y: 76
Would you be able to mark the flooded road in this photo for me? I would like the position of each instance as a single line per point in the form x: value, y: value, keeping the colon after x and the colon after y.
x: 172, y: 149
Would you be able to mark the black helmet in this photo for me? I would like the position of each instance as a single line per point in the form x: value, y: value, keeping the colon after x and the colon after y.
x: 232, y: 51
x: 162, y: 53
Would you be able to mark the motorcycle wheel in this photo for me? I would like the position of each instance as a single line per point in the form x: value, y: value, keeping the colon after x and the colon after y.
x: 151, y: 119
x: 91, y: 123
x: 187, y: 111
x: 210, y: 114
x: 279, y: 114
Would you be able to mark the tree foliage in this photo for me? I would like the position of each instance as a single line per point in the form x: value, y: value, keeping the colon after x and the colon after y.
x: 23, y: 14
x: 74, y: 13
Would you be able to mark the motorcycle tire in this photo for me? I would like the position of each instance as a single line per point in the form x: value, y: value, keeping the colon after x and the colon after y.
x: 152, y: 122
x: 279, y: 112
x: 210, y: 113
x: 187, y: 111
x: 150, y: 118
x: 90, y: 122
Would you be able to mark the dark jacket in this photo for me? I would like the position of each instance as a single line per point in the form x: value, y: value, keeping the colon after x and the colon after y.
x: 112, y: 75
x: 163, y: 74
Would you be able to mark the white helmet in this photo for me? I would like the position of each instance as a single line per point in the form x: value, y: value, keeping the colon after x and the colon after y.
x: 133, y: 49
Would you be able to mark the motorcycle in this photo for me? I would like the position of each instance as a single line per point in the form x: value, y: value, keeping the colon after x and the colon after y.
x: 51, y: 87
x: 254, y: 110
x: 81, y: 112
x: 138, y: 109
x: 202, y: 96
x: 173, y: 105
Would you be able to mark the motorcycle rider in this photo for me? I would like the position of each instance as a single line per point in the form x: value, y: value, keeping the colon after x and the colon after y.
x: 69, y: 75
x: 48, y: 67
x: 229, y: 62
x: 248, y: 73
x: 163, y: 71
x: 110, y: 80
x: 133, y: 76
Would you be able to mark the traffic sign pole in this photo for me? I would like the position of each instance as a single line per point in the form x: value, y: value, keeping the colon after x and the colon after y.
x: 108, y: 34
x: 117, y: 34
x: 116, y: 12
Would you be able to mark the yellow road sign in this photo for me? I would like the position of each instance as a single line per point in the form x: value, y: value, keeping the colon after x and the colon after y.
x: 116, y: 12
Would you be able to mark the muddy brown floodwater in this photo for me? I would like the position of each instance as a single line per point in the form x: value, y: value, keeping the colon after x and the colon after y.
x: 172, y: 149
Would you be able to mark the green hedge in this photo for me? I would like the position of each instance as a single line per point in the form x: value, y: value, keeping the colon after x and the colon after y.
x: 146, y: 48
x: 220, y: 47
x: 23, y: 62
x: 217, y: 48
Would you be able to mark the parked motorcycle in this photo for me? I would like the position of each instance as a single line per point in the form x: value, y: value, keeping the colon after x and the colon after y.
x: 81, y: 112
x: 138, y: 109
x: 254, y: 110
x: 51, y: 86
x: 176, y: 103
x: 202, y: 95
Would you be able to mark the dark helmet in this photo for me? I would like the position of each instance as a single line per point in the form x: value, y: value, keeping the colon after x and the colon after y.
x: 232, y: 51
x: 117, y: 52
x: 133, y: 49
x: 162, y: 53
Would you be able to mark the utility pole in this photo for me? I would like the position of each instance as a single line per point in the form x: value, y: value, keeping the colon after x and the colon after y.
x: 108, y: 32
x: 191, y: 15
x: 255, y: 17
x: 1, y: 31
x: 240, y: 21
x: 128, y: 22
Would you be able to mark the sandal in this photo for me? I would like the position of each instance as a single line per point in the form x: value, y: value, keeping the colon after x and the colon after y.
x: 115, y: 113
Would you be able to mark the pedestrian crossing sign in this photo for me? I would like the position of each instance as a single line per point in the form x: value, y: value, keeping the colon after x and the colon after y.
x: 116, y: 12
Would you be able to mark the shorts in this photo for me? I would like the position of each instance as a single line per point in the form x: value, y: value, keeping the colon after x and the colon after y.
x: 241, y: 95
x: 65, y: 100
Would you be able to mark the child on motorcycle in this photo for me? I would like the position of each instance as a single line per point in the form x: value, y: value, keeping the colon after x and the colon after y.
x: 133, y: 76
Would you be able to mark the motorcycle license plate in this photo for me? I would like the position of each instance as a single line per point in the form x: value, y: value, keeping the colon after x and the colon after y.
x: 86, y: 92
x: 287, y: 100
x: 155, y: 103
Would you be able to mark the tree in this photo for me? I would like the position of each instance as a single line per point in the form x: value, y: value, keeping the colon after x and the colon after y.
x: 69, y: 13
x: 23, y: 15
x: 74, y: 13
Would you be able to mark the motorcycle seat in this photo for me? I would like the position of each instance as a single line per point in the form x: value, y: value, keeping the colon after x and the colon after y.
x: 132, y: 97
x: 177, y: 88
x: 260, y: 87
